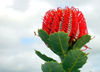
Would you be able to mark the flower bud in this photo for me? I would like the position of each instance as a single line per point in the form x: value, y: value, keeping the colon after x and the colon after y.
x: 69, y: 20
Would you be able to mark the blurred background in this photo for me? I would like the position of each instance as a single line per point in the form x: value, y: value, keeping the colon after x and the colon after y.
x: 20, y: 18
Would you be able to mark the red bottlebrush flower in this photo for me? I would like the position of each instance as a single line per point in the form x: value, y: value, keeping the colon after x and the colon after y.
x: 69, y: 20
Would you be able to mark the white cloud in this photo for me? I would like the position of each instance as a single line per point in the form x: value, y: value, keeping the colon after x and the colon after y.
x: 86, y: 9
x: 34, y: 8
x: 22, y: 61
x: 3, y: 6
x: 14, y: 25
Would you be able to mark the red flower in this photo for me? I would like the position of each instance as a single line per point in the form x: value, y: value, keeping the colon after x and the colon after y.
x: 69, y: 20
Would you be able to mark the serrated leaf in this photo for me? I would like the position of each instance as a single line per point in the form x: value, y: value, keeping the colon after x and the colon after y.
x: 76, y: 71
x: 44, y: 57
x: 82, y: 41
x: 44, y: 36
x: 52, y: 67
x: 74, y: 60
x: 59, y: 41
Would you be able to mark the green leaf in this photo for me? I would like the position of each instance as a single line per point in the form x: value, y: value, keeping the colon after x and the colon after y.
x: 76, y: 71
x: 52, y: 67
x: 44, y: 36
x: 74, y: 60
x: 59, y: 41
x: 82, y: 41
x: 44, y: 57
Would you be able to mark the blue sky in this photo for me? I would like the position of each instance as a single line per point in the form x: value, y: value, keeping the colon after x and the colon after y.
x: 20, y: 18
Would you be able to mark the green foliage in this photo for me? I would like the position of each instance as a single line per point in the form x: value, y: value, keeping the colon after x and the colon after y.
x: 44, y: 57
x: 52, y: 67
x: 44, y: 36
x: 72, y: 58
x: 59, y: 41
x: 82, y: 41
x: 76, y: 71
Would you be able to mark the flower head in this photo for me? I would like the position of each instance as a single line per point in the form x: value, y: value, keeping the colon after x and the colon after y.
x: 69, y: 20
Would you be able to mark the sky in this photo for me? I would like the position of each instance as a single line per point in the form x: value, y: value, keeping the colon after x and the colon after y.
x: 20, y: 18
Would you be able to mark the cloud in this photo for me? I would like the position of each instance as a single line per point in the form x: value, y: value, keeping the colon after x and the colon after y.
x: 22, y: 61
x: 16, y: 56
x: 19, y: 19
x: 20, y: 5
x: 92, y: 64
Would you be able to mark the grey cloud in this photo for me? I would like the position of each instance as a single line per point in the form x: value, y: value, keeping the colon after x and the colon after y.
x: 91, y: 64
x: 18, y: 57
x: 67, y: 2
x: 21, y: 62
x: 20, y: 5
x: 23, y: 58
x: 92, y: 19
